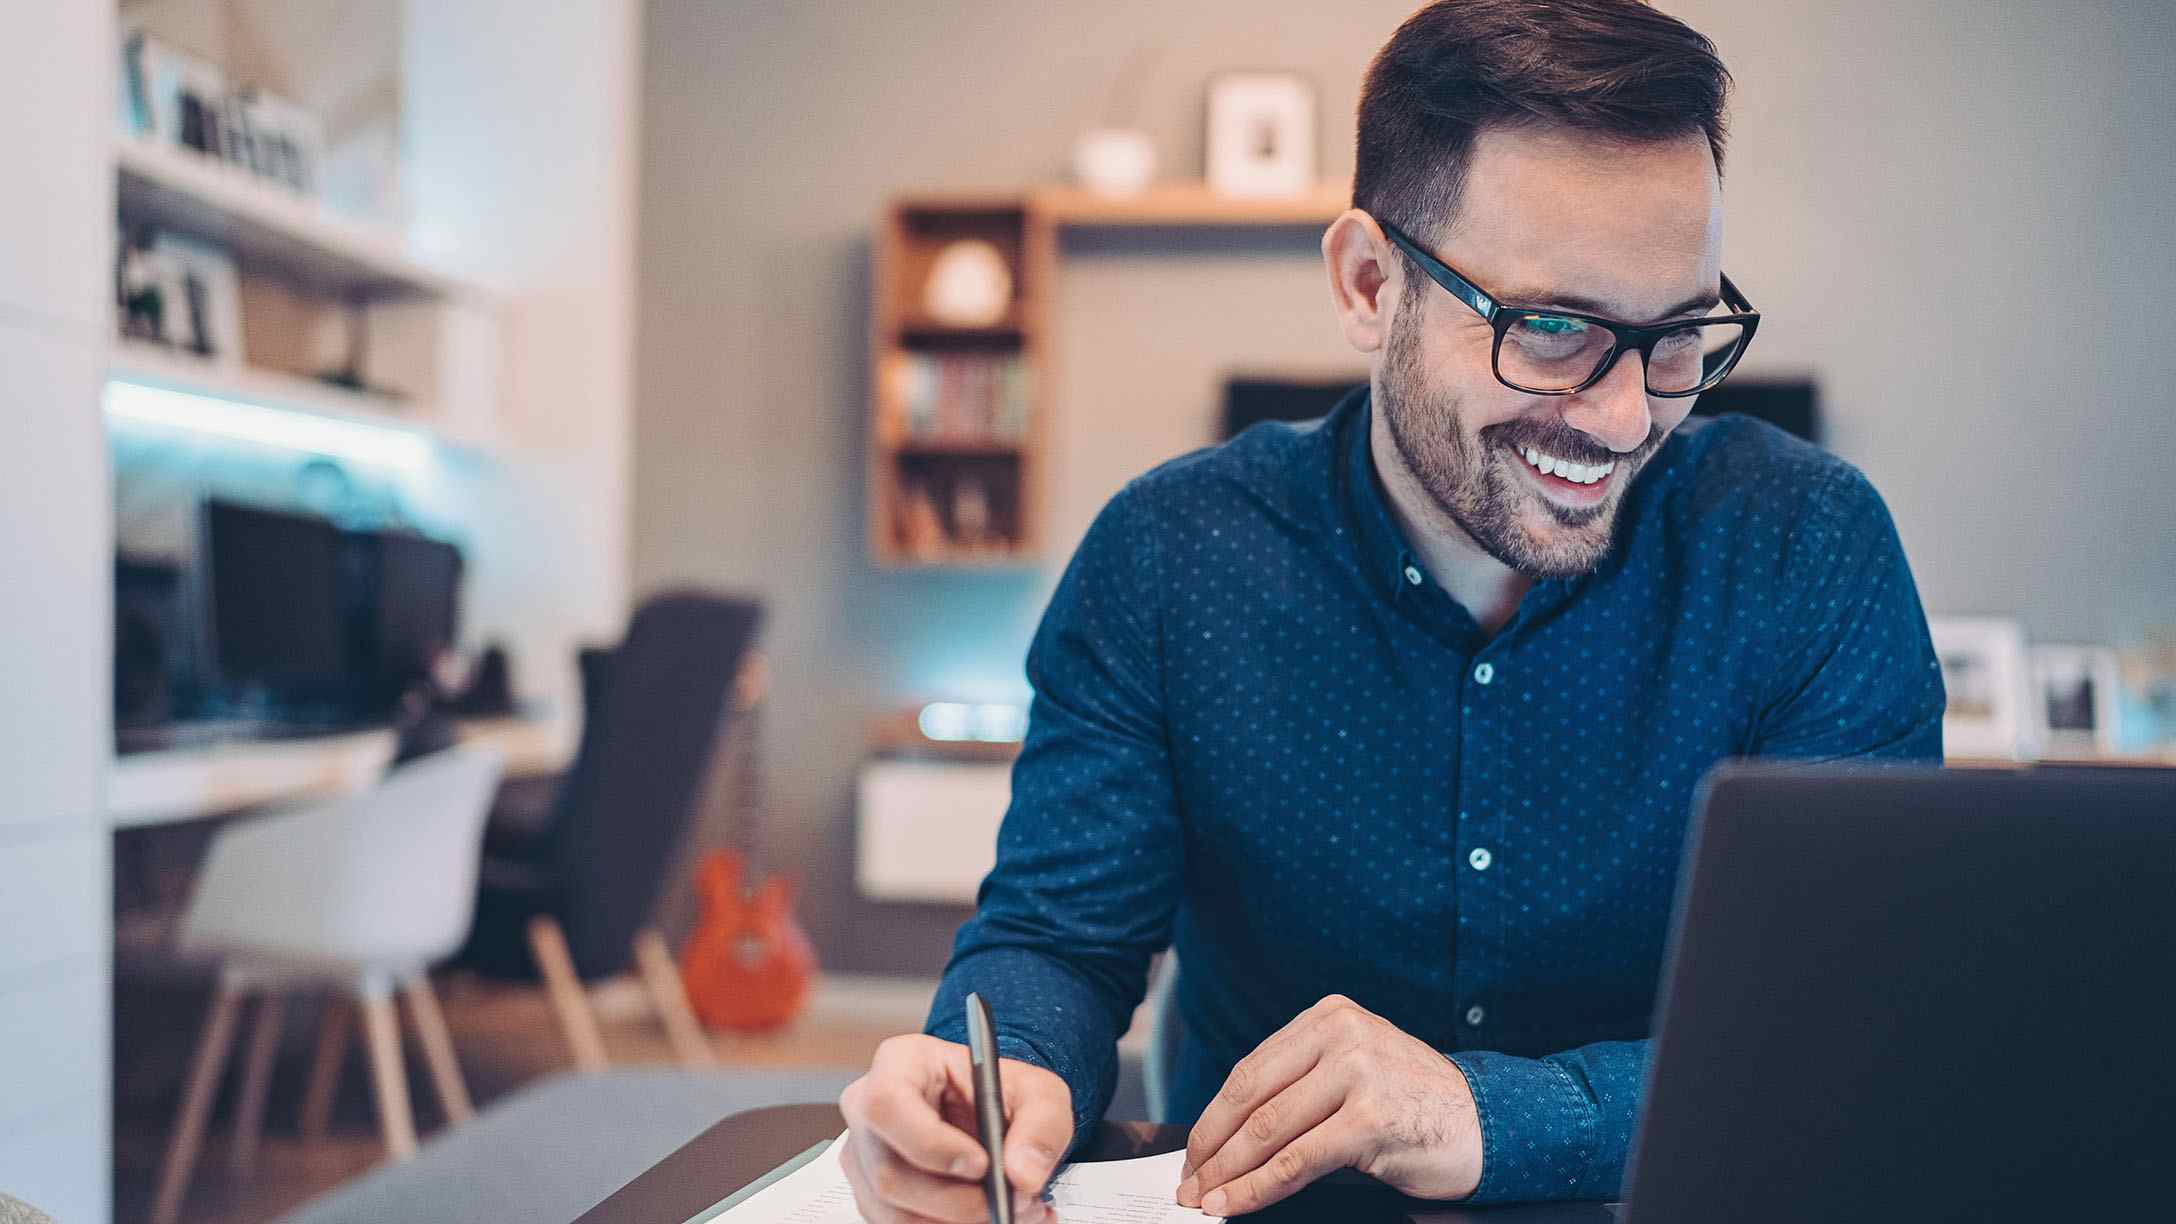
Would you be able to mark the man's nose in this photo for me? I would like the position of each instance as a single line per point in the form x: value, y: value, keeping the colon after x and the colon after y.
x: 1614, y: 411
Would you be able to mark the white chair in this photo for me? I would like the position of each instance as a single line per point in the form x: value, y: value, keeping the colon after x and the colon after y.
x: 354, y: 898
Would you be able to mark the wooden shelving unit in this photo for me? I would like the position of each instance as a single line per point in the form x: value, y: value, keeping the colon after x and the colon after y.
x: 930, y: 483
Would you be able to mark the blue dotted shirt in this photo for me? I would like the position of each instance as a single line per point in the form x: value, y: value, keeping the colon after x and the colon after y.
x: 1261, y: 733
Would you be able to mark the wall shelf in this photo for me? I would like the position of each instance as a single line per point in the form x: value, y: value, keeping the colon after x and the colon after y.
x: 1167, y: 204
x: 148, y: 365
x: 269, y: 228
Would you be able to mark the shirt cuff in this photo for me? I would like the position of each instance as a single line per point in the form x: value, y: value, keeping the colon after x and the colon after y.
x: 1538, y: 1128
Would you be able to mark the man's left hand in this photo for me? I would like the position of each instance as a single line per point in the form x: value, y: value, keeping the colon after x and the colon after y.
x: 1339, y: 1087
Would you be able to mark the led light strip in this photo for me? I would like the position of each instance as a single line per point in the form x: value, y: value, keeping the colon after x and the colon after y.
x: 989, y: 723
x: 357, y: 441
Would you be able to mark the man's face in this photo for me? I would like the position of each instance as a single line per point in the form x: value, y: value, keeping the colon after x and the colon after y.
x: 1549, y: 218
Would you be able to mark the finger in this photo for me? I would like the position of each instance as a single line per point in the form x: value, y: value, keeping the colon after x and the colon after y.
x: 1039, y: 1125
x: 1332, y: 1145
x: 1273, y: 1126
x: 868, y: 1204
x: 900, y: 1185
x: 897, y: 1103
x: 1273, y: 1066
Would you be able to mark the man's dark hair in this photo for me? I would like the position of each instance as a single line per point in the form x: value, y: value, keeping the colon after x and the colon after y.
x: 1614, y: 68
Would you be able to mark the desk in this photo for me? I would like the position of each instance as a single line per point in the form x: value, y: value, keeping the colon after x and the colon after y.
x: 148, y: 788
x: 747, y: 1145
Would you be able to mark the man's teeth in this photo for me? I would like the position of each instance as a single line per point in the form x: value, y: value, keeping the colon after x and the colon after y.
x: 1577, y: 473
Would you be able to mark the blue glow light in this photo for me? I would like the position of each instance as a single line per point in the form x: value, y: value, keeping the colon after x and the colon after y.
x: 358, y: 441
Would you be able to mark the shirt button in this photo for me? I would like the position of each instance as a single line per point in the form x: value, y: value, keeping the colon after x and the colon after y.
x: 1480, y: 858
x: 1483, y: 673
x: 1474, y: 1016
x: 1413, y: 575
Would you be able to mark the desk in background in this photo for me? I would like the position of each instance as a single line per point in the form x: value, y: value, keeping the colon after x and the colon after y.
x: 180, y: 784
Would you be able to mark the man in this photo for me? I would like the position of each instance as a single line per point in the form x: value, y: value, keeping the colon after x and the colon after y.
x: 1392, y: 724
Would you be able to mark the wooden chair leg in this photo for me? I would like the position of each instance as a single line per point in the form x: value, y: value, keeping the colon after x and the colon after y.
x: 325, y: 1060
x: 388, y: 1077
x: 661, y: 977
x: 437, y: 1045
x: 264, y: 1045
x: 576, y: 1022
x: 196, y: 1102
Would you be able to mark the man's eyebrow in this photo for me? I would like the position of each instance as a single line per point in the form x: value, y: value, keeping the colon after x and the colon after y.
x: 1574, y: 301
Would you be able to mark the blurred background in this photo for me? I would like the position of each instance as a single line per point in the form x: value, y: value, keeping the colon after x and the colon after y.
x: 522, y: 522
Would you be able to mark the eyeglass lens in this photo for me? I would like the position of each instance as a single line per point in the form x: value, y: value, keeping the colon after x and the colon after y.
x: 1542, y: 352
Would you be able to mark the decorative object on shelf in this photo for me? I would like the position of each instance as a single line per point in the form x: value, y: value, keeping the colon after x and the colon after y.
x: 2076, y: 700
x: 1261, y: 133
x: 2148, y: 665
x: 183, y: 100
x: 140, y: 277
x: 922, y: 536
x: 173, y: 95
x: 1115, y: 158
x: 276, y: 139
x: 182, y: 294
x: 969, y: 285
x: 957, y: 397
x: 1983, y: 667
x: 971, y: 515
x: 1115, y: 162
x: 204, y: 299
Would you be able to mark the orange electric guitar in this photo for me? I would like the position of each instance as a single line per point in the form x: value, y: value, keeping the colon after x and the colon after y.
x: 748, y: 965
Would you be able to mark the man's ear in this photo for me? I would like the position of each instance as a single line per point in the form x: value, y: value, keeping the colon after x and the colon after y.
x: 1365, y: 278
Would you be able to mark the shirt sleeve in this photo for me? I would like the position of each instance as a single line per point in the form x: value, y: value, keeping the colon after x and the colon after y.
x: 1090, y: 856
x: 1856, y: 676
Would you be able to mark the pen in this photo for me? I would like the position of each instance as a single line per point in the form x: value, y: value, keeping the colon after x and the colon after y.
x: 989, y: 1106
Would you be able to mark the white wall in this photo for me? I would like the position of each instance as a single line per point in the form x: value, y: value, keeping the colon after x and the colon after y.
x: 519, y: 144
x: 55, y: 607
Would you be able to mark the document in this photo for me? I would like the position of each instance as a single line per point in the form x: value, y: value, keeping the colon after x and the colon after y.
x: 1097, y: 1192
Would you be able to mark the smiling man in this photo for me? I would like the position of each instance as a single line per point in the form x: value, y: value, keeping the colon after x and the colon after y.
x: 1391, y: 724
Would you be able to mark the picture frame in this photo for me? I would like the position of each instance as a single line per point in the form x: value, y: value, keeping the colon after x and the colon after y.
x: 2077, y: 700
x: 204, y: 299
x: 1983, y: 662
x: 1260, y: 139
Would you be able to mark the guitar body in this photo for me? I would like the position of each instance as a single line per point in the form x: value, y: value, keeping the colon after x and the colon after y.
x: 748, y: 965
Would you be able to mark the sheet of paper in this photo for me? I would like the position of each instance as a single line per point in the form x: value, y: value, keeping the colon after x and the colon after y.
x: 1098, y: 1192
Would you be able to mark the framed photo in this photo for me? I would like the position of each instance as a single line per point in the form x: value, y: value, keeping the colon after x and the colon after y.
x: 1261, y: 135
x: 202, y: 291
x: 1983, y: 667
x: 2076, y: 701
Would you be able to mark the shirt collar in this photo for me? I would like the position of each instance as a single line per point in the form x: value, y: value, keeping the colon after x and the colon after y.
x: 1384, y: 555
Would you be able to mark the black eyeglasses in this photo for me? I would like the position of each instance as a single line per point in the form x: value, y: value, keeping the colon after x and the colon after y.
x: 1562, y: 352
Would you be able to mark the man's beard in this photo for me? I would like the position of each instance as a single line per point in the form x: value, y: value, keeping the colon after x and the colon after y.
x: 1471, y: 481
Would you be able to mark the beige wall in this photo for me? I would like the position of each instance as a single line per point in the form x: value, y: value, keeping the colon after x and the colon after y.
x: 1982, y: 164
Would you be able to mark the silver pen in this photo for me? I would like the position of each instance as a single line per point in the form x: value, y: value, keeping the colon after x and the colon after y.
x: 989, y: 1106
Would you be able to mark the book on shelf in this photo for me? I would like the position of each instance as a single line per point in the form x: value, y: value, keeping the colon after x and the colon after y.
x: 962, y: 397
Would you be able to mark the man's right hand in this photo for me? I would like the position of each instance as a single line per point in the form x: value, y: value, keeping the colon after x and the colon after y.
x: 912, y: 1151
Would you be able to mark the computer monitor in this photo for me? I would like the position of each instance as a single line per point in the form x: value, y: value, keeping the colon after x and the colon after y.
x: 415, y: 608
x: 311, y: 623
x: 276, y: 588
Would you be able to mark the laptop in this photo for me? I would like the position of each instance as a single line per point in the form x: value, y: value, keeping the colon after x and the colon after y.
x: 1918, y: 994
